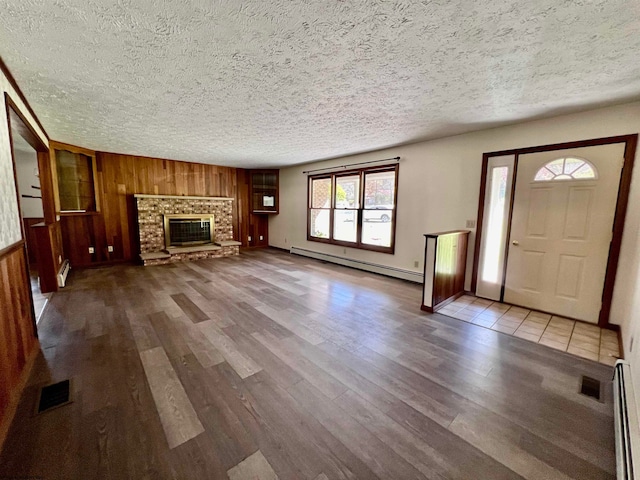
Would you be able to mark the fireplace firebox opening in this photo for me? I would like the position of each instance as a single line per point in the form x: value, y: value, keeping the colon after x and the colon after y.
x: 188, y: 229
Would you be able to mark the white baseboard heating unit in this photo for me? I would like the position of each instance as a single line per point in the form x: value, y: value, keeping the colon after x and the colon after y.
x: 63, y: 272
x: 360, y: 265
x: 626, y: 422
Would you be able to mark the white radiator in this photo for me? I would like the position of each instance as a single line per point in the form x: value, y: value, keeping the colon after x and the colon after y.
x: 63, y: 272
x: 359, y: 264
x: 626, y: 422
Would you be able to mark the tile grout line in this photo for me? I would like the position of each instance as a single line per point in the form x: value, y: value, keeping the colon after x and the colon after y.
x: 546, y: 327
x: 573, y: 329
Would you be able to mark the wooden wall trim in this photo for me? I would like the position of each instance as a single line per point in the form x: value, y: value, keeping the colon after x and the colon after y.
x: 591, y: 142
x: 21, y: 124
x: 7, y: 73
x: 6, y: 251
x: 479, y: 222
x: 71, y: 148
x: 618, y: 229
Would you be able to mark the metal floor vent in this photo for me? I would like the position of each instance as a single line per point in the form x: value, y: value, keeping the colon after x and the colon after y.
x: 590, y: 387
x: 54, y: 395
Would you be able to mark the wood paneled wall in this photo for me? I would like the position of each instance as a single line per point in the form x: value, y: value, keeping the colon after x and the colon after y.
x: 119, y: 177
x: 17, y: 329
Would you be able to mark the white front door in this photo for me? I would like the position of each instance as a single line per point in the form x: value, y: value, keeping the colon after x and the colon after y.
x: 562, y: 223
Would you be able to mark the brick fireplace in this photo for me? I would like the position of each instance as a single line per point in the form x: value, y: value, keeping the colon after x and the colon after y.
x: 204, y: 226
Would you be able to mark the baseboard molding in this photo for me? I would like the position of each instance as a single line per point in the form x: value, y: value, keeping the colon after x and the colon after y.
x: 360, y: 265
x: 14, y: 399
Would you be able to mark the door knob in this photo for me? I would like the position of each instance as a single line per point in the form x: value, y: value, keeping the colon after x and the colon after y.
x: 516, y: 243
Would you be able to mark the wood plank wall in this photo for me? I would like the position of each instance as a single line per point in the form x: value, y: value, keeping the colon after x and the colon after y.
x: 119, y: 177
x: 17, y: 334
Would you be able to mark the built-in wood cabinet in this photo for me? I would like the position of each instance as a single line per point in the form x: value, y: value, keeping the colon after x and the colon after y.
x: 75, y: 179
x: 263, y: 191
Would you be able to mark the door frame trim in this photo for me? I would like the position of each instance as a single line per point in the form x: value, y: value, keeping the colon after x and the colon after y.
x: 16, y: 121
x: 631, y: 142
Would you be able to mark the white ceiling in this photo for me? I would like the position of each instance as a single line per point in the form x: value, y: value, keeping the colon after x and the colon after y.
x: 277, y: 82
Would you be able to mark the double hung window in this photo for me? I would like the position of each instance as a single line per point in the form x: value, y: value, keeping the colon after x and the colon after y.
x: 356, y: 208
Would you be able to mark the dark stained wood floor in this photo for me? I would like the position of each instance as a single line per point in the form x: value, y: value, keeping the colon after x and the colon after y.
x: 270, y: 364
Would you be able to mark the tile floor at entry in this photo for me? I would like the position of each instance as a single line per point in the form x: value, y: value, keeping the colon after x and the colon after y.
x: 581, y: 339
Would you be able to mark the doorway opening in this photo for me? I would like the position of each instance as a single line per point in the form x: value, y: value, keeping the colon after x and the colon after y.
x: 31, y: 168
x: 32, y: 213
x: 550, y: 223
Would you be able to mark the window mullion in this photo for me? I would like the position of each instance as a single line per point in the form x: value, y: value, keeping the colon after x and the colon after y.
x: 332, y: 206
x: 359, y: 213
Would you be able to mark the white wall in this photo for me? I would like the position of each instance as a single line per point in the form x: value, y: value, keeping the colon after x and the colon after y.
x: 26, y: 165
x: 439, y: 184
x: 10, y: 232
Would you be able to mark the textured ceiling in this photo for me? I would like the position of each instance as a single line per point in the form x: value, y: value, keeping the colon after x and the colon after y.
x: 277, y: 82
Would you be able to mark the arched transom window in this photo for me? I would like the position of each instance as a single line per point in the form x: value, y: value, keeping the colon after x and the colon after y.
x: 568, y: 168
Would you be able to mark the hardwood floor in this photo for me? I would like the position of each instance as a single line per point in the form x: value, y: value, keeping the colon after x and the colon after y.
x: 269, y: 365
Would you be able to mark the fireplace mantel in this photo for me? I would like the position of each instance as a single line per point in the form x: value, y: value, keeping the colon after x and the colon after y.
x: 183, y: 197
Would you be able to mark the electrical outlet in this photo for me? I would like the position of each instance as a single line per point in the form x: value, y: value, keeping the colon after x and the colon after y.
x: 92, y: 250
x: 471, y: 224
x: 110, y: 249
x: 261, y: 238
x: 416, y: 264
x: 249, y: 237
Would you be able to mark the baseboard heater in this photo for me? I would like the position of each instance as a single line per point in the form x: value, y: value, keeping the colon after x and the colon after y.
x: 626, y: 422
x: 63, y: 273
x: 360, y: 265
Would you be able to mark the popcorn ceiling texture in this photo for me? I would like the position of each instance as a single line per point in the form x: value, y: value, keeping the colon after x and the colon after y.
x: 277, y: 82
x: 10, y: 231
x: 151, y: 211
